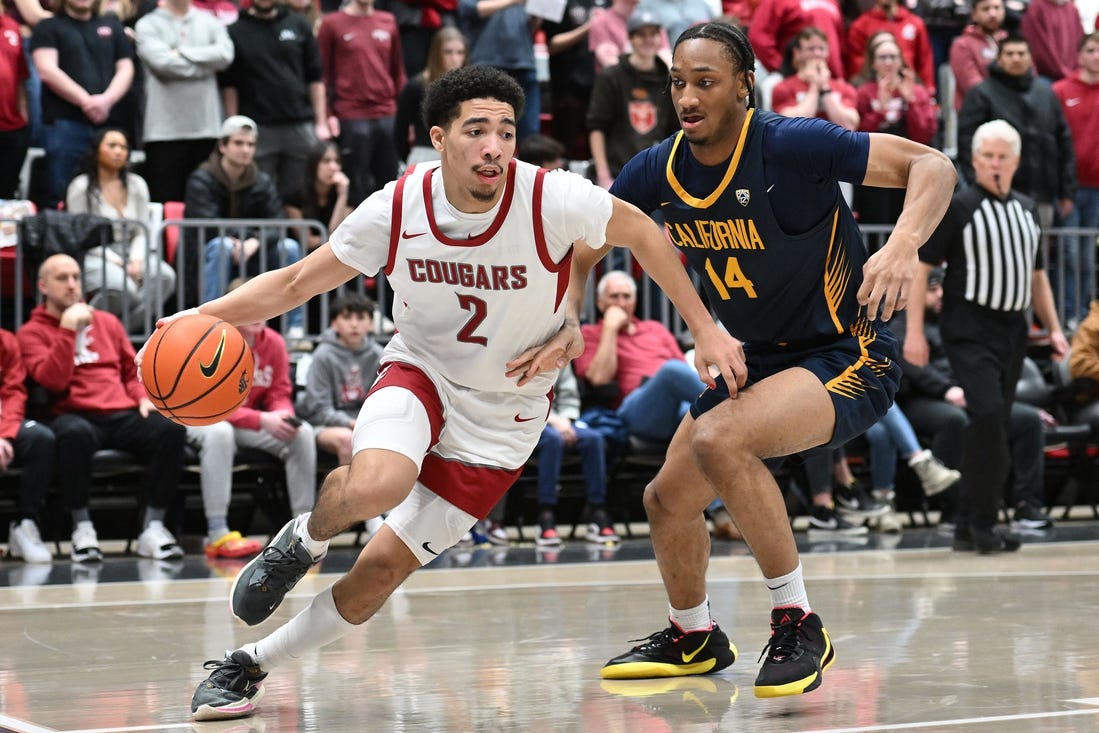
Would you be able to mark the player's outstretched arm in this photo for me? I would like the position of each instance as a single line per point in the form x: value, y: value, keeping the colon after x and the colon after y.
x: 272, y: 293
x: 630, y: 228
x: 929, y: 177
x: 275, y: 292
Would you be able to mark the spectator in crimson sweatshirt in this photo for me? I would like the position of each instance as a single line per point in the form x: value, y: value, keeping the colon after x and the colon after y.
x: 360, y: 51
x: 83, y: 358
x: 265, y: 421
x: 974, y: 50
x: 27, y: 444
x: 1079, y: 96
x: 1053, y: 30
x: 907, y: 27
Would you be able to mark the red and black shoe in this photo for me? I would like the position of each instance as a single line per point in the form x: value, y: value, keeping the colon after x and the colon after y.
x: 795, y: 658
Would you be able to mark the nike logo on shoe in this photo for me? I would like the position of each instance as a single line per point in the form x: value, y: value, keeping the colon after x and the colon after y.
x: 688, y: 657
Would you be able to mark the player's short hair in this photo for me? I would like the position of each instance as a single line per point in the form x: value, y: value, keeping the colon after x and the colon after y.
x: 353, y: 303
x: 444, y: 96
x: 736, y: 48
x: 998, y: 130
x: 1087, y: 38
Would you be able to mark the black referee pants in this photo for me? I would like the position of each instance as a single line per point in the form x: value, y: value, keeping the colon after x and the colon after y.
x: 986, y: 350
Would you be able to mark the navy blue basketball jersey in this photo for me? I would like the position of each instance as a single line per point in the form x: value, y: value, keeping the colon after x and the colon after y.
x: 769, y: 232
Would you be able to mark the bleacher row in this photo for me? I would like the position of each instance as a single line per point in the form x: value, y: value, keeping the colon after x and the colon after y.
x: 259, y: 496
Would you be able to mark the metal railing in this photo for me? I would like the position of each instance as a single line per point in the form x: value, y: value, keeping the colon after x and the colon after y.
x: 190, y: 273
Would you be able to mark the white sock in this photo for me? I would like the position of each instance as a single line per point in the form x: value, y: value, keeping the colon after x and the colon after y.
x: 316, y: 548
x: 692, y: 619
x: 317, y: 625
x: 789, y: 590
x: 919, y: 457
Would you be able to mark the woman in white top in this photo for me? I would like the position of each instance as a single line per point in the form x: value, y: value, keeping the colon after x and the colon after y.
x: 124, y: 277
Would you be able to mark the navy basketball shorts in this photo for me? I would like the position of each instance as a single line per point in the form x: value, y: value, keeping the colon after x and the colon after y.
x: 859, y: 371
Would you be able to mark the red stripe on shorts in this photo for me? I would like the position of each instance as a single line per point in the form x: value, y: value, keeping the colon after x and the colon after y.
x: 473, y: 489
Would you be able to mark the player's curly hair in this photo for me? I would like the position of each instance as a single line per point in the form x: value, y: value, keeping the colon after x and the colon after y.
x: 736, y: 48
x: 445, y: 95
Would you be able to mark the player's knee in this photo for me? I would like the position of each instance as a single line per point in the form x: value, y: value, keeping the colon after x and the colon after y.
x: 712, y: 447
x: 378, y: 476
x: 654, y: 501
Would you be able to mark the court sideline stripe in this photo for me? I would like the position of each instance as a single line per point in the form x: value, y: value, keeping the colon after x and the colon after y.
x: 566, y: 583
x: 956, y: 721
x: 14, y: 725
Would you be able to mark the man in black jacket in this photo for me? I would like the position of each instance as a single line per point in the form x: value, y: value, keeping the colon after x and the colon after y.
x: 231, y: 186
x: 1047, y: 166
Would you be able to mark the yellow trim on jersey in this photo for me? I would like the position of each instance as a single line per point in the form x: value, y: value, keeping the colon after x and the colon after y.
x: 837, y: 275
x: 713, y: 197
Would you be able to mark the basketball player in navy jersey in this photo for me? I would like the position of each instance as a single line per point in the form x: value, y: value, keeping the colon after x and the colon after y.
x: 753, y: 202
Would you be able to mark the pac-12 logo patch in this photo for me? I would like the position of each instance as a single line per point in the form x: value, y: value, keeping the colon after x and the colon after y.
x: 743, y: 196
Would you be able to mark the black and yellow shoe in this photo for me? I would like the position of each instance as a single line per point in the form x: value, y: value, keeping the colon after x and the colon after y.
x: 795, y: 658
x: 673, y: 653
x: 679, y: 699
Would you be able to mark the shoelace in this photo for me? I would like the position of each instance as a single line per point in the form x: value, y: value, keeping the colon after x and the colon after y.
x: 784, y: 641
x: 657, y: 640
x: 281, y: 566
x: 228, y: 674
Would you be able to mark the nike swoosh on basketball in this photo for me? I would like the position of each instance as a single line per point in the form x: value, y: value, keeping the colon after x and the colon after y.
x: 406, y: 235
x: 427, y: 546
x: 523, y: 419
x: 688, y: 657
x: 208, y: 370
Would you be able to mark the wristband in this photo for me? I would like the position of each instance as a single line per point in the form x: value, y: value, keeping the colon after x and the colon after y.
x: 181, y: 314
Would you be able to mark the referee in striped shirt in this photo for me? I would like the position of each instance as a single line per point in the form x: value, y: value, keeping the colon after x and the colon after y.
x: 991, y: 244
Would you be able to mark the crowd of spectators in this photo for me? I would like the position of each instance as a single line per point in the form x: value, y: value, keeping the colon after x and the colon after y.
x: 272, y: 111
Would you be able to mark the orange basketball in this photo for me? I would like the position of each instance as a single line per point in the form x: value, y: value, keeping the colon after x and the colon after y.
x: 197, y: 370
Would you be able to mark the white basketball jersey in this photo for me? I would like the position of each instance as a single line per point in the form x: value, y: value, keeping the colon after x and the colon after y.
x: 474, y: 291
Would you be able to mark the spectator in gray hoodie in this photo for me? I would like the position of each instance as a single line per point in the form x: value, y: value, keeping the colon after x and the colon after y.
x: 342, y: 369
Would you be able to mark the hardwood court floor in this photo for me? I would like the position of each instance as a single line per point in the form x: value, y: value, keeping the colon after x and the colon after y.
x: 926, y: 640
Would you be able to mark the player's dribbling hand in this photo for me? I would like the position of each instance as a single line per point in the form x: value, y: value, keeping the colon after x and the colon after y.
x: 566, y: 345
x: 160, y: 324
x: 713, y: 345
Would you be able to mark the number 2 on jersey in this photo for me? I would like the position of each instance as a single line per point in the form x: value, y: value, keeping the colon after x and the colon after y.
x: 734, y: 278
x: 478, y: 310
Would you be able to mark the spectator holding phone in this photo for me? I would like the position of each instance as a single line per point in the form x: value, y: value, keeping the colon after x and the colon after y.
x: 265, y: 421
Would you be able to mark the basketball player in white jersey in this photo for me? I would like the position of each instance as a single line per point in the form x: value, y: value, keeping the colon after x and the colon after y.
x: 478, y: 249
